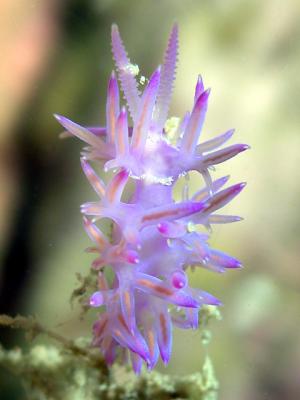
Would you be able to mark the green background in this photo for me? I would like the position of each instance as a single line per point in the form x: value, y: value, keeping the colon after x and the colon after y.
x: 56, y: 58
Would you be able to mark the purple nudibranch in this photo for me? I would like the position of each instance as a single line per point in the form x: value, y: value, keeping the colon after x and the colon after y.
x: 152, y: 244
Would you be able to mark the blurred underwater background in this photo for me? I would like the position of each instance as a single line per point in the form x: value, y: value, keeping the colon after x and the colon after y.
x: 56, y: 58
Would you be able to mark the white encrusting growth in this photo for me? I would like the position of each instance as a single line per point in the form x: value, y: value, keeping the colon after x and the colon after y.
x: 132, y: 69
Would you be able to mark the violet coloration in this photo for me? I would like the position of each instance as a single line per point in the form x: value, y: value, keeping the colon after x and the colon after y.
x: 152, y: 244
